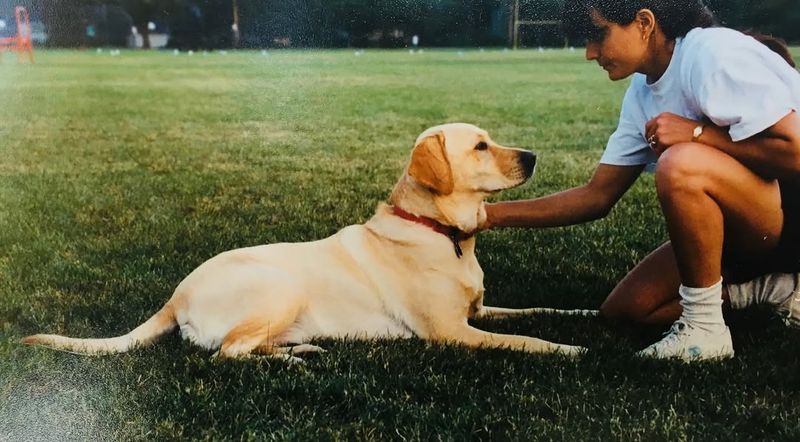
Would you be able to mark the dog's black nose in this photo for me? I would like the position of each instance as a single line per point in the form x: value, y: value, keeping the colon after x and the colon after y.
x: 528, y: 161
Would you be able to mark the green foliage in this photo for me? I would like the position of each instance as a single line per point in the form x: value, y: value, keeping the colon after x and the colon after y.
x: 206, y: 24
x: 119, y: 175
x: 776, y: 17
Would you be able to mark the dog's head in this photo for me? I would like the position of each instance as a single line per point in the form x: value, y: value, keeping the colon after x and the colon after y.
x: 458, y: 157
x: 459, y: 165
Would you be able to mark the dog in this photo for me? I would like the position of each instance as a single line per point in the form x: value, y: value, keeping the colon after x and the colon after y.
x: 408, y: 271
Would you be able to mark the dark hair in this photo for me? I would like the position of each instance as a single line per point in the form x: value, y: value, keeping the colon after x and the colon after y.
x: 675, y: 17
x: 777, y: 45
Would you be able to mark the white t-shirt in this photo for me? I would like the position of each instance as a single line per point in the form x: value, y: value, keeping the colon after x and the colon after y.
x: 718, y: 73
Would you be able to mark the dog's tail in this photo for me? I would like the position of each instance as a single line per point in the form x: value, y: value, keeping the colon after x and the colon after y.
x: 160, y: 323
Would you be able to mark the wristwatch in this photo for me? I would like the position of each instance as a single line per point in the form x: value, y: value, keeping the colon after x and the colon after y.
x: 697, y: 132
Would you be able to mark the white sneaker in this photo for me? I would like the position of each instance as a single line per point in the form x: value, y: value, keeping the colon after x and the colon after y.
x: 790, y: 310
x: 691, y: 344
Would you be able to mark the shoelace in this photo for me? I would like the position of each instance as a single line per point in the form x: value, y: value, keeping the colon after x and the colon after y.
x: 672, y: 334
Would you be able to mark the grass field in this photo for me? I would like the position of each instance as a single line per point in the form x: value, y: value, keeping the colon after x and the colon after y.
x: 119, y: 175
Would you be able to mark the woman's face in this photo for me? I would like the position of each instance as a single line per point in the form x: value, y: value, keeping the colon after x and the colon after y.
x: 619, y: 49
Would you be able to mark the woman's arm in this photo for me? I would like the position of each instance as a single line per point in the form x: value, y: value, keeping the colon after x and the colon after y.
x: 773, y: 153
x: 573, y: 206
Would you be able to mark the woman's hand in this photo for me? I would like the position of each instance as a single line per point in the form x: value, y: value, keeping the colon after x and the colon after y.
x: 667, y: 129
x: 484, y: 223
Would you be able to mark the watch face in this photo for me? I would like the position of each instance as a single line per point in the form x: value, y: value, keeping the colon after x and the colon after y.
x: 697, y: 131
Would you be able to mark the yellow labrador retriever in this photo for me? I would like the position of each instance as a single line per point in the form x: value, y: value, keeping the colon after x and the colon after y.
x: 409, y: 271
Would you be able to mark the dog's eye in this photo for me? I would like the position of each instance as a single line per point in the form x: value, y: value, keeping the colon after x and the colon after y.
x: 481, y: 146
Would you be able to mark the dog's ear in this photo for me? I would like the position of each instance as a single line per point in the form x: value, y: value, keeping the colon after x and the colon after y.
x: 430, y: 166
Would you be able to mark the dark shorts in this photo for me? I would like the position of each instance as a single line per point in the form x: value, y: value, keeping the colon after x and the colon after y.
x: 786, y: 257
x: 789, y: 246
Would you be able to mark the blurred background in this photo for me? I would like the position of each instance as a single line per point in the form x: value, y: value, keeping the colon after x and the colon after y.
x: 218, y: 24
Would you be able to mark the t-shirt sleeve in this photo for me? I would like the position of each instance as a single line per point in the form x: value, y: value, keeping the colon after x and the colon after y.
x: 627, y: 145
x: 736, y: 88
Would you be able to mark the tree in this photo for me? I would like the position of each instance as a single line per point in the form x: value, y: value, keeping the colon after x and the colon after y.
x: 197, y: 24
x: 65, y: 23
x: 776, y: 17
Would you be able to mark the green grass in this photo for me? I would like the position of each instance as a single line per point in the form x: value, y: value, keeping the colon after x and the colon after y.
x: 119, y: 175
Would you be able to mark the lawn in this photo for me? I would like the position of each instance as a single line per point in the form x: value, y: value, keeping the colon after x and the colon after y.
x: 120, y: 174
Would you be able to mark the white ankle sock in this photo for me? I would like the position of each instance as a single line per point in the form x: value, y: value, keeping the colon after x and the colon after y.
x: 702, y: 307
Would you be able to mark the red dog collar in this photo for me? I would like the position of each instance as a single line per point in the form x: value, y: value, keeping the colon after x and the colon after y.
x: 455, y: 234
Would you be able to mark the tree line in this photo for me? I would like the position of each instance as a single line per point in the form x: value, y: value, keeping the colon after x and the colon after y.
x: 207, y: 24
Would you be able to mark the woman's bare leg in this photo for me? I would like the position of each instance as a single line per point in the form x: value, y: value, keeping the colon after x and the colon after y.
x: 649, y: 293
x: 644, y: 292
x: 707, y: 197
x: 699, y: 187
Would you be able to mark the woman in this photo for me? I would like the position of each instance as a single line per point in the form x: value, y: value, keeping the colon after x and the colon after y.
x: 714, y: 110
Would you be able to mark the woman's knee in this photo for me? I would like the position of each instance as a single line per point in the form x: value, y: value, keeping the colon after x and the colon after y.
x: 681, y: 167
